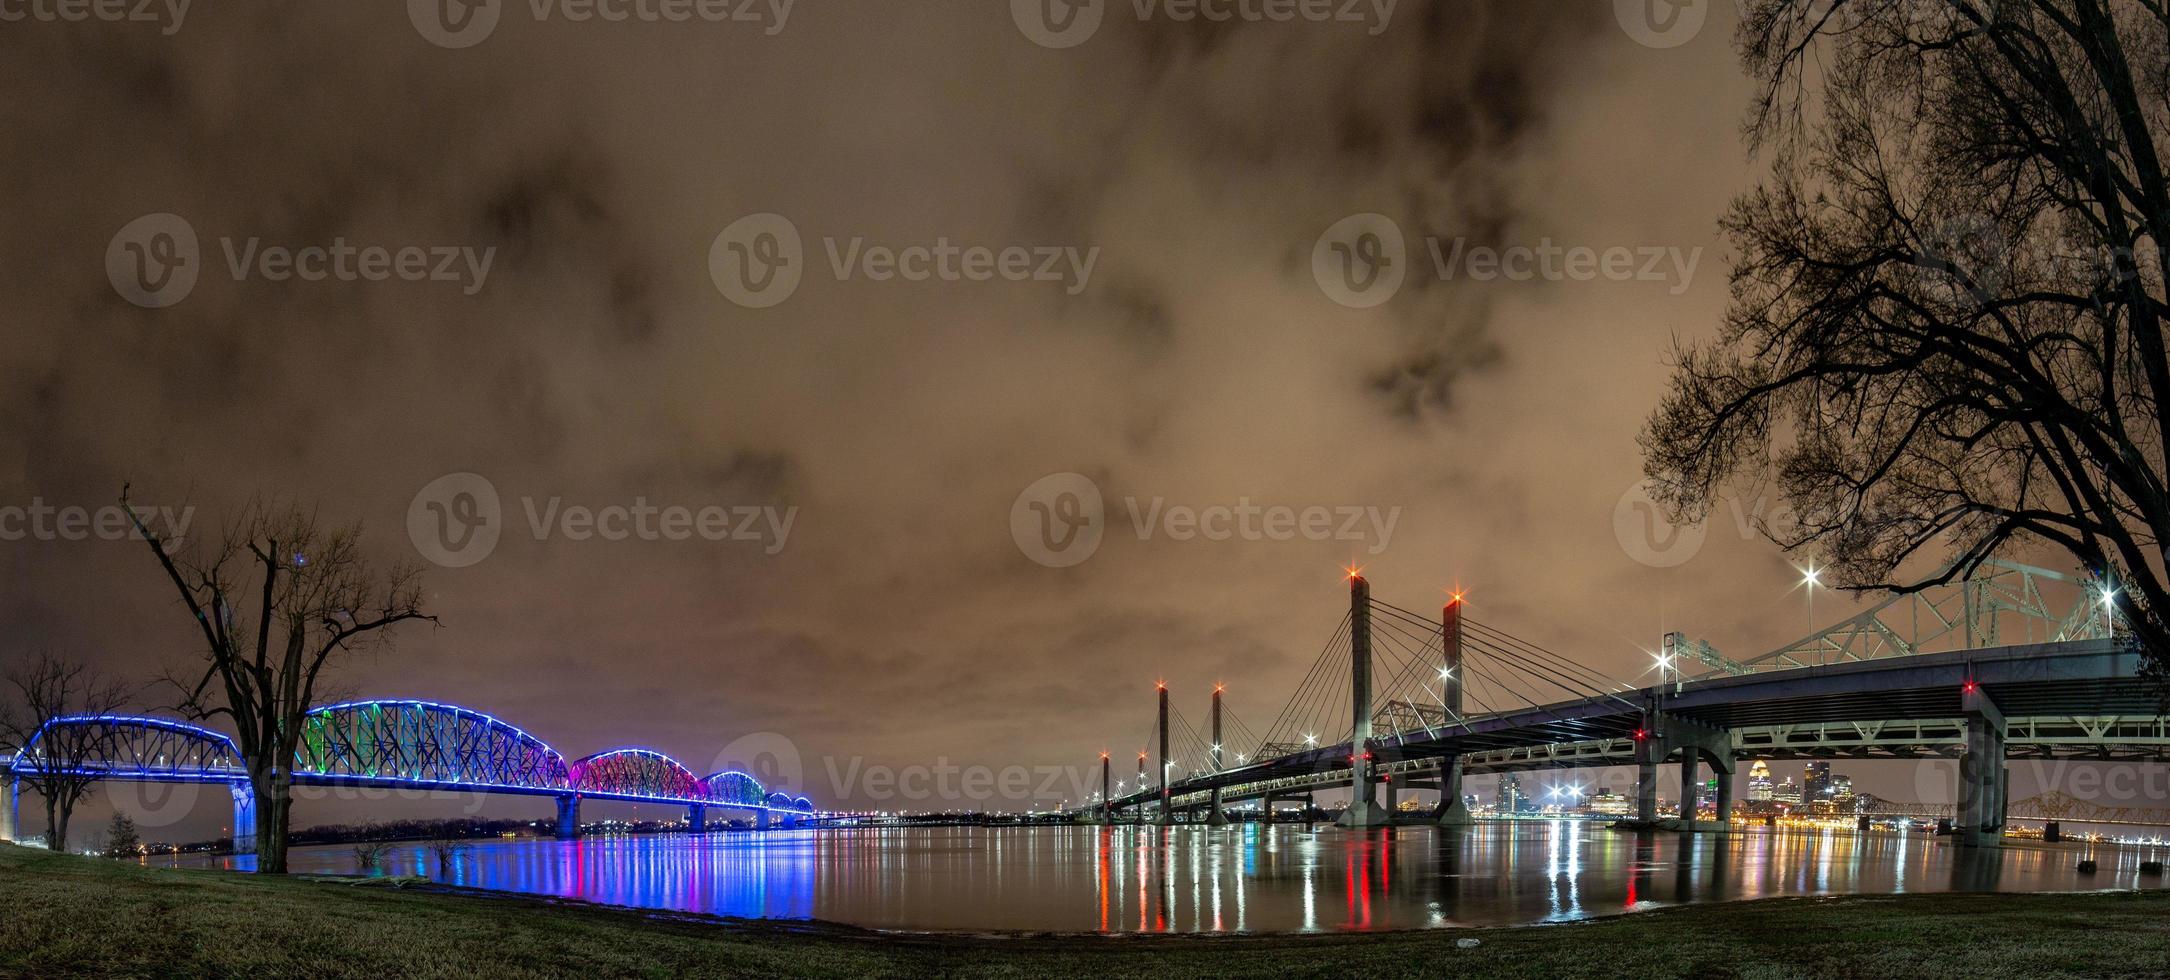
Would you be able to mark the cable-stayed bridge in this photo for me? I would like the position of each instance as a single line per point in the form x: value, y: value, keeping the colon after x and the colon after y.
x: 2013, y: 661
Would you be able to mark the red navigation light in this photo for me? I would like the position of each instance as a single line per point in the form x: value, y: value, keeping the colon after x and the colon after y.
x: 1103, y: 755
x: 1160, y: 685
x: 1969, y: 688
x: 1642, y: 734
x: 1218, y: 688
x: 1354, y: 570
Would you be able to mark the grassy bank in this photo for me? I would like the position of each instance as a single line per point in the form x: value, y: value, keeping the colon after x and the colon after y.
x: 72, y: 916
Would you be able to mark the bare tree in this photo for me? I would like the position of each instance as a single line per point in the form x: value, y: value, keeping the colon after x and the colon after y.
x: 317, y: 599
x: 445, y: 850
x: 1946, y: 338
x: 45, y: 688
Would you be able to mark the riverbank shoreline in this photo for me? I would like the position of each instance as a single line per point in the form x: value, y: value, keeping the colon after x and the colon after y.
x: 75, y: 916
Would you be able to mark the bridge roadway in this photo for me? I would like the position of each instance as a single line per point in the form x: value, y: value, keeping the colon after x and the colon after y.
x: 2079, y: 699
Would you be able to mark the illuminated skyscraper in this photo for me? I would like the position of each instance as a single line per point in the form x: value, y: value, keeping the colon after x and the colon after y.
x: 1759, y: 783
x: 1816, y: 782
x: 1511, y: 799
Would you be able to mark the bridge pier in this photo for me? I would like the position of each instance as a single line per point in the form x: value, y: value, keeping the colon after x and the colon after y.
x: 244, y: 818
x: 761, y: 819
x: 1453, y: 810
x: 1690, y: 768
x: 568, y: 817
x: 1725, y: 798
x: 1983, y: 779
x: 697, y: 819
x: 11, y: 811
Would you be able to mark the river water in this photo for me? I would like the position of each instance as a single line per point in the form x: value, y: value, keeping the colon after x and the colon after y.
x: 1248, y: 878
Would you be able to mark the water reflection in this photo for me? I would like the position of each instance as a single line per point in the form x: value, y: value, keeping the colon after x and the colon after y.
x: 1233, y: 879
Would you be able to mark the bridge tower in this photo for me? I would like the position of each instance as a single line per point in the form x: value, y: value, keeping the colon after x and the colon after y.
x: 1107, y: 802
x: 1363, y: 808
x: 1165, y: 817
x: 1453, y: 811
x: 1214, y: 816
x: 569, y: 817
x: 244, y: 818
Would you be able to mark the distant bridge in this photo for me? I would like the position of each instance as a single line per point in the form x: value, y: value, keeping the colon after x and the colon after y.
x: 1928, y: 675
x: 398, y: 744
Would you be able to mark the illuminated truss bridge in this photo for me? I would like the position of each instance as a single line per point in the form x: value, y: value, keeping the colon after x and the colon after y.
x: 396, y: 744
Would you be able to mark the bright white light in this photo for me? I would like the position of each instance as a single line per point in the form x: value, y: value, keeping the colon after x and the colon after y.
x: 1311, y: 740
x: 1811, y: 576
x: 1446, y: 673
x: 2109, y: 598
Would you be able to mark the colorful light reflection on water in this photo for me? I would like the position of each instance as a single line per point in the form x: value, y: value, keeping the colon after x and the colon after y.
x: 1236, y: 879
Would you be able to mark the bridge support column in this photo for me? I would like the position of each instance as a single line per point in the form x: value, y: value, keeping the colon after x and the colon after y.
x: 11, y: 811
x: 1214, y: 816
x: 1982, y: 776
x: 1453, y: 810
x: 568, y: 817
x: 244, y: 818
x: 761, y: 820
x: 1725, y: 799
x: 697, y: 819
x: 1363, y: 808
x: 1690, y: 768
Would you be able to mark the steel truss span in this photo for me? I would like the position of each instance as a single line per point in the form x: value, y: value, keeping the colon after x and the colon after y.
x: 393, y: 743
x: 637, y: 774
x: 133, y: 748
x: 419, y: 742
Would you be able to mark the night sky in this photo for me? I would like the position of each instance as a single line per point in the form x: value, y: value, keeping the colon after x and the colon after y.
x: 900, y: 622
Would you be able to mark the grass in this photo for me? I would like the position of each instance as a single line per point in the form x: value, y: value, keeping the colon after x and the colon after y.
x: 72, y: 916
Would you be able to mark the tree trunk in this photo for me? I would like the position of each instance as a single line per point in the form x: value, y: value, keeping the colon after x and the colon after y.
x: 274, y: 801
x: 56, y: 826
